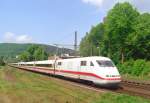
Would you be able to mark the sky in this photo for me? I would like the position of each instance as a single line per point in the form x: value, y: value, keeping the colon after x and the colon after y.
x: 54, y: 21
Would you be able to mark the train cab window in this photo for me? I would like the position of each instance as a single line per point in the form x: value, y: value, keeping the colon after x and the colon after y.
x: 59, y: 63
x: 105, y: 63
x: 91, y: 63
x: 83, y: 63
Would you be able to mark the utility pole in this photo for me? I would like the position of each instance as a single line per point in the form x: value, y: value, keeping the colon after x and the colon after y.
x: 75, y: 42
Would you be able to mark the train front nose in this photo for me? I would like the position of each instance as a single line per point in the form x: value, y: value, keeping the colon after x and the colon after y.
x: 112, y: 77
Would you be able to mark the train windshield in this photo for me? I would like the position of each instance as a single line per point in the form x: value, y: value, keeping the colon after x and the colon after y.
x: 105, y: 63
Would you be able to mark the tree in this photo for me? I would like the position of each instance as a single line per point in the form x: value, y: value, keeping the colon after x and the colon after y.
x: 25, y: 56
x: 86, y: 46
x: 90, y: 43
x: 33, y: 53
x: 40, y: 54
x: 96, y: 34
x: 2, y: 63
x: 118, y: 25
x: 124, y: 35
x: 139, y: 41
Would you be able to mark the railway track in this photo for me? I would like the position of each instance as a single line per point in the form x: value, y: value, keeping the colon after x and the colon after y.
x: 125, y: 87
x: 135, y: 88
x: 136, y: 84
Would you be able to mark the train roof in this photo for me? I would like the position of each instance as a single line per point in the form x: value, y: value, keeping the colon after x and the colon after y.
x: 37, y: 62
x: 45, y: 62
x: 52, y: 61
x: 87, y: 58
x: 96, y: 57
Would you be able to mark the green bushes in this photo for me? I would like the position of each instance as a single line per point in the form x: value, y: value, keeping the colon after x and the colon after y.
x: 2, y: 63
x: 34, y: 52
x: 138, y: 67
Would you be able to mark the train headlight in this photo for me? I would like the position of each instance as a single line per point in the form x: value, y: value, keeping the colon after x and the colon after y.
x: 112, y: 75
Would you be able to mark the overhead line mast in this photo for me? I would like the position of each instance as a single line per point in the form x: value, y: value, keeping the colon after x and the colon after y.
x: 75, y: 41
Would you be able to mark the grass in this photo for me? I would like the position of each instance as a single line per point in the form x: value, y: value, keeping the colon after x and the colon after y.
x: 121, y: 98
x: 18, y: 86
x: 26, y: 87
x: 137, y: 78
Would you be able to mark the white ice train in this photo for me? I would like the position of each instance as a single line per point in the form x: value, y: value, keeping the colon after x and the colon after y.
x: 99, y: 70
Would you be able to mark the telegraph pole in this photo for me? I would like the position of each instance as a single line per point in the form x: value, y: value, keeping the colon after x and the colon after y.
x: 75, y: 41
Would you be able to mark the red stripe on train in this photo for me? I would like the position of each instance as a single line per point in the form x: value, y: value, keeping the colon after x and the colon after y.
x: 78, y: 73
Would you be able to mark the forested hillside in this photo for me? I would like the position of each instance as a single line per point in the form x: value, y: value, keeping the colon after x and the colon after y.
x: 11, y: 50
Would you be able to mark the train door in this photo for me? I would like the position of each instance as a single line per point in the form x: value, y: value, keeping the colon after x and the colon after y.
x: 59, y: 65
x: 91, y: 66
x: 83, y: 69
x: 90, y: 70
x: 78, y: 68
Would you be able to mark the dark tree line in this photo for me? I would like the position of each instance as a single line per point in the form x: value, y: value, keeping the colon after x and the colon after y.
x: 123, y: 35
x: 34, y: 53
x: 2, y: 62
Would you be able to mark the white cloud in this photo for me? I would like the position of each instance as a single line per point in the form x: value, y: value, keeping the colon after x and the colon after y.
x: 10, y: 37
x: 97, y: 3
x: 105, y: 5
x: 23, y: 39
x: 141, y: 5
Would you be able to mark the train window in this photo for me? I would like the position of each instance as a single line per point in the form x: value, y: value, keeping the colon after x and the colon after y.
x: 83, y: 63
x: 59, y: 63
x: 50, y: 65
x: 91, y: 63
x: 44, y: 65
x: 29, y: 64
x: 105, y: 63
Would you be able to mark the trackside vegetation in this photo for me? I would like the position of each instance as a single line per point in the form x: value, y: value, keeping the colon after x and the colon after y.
x: 2, y: 63
x: 119, y: 98
x: 137, y: 67
x: 33, y: 53
x: 17, y: 86
x: 124, y: 36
